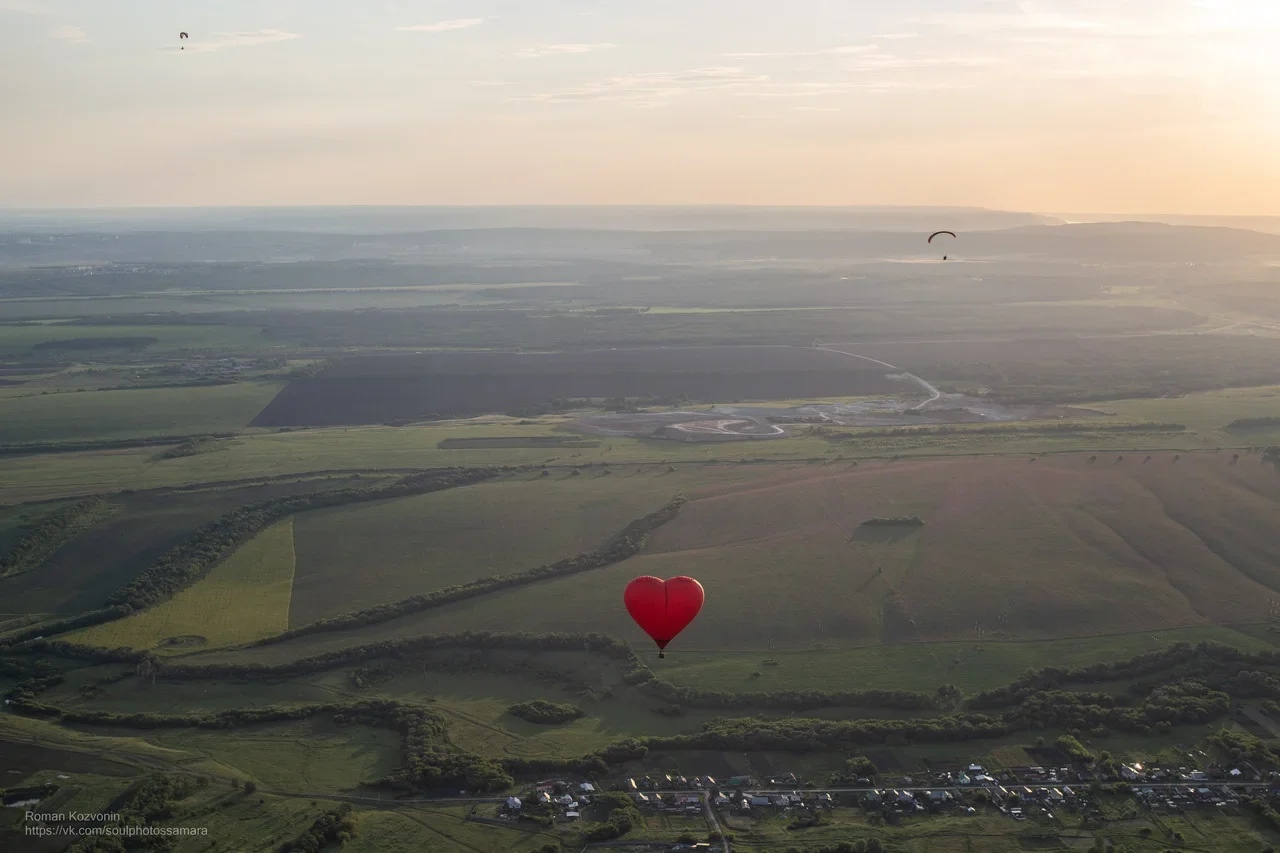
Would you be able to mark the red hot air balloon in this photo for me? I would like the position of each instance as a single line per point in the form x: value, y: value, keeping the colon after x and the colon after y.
x: 663, y: 608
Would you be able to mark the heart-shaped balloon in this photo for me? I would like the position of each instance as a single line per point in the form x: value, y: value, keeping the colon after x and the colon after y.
x: 663, y: 608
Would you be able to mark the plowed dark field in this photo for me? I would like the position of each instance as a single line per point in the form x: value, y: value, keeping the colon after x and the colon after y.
x: 377, y: 389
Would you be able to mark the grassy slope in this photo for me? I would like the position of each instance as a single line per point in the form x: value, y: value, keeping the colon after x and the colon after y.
x: 1062, y: 548
x: 308, y: 757
x: 357, y: 556
x: 133, y: 412
x: 921, y: 666
x: 243, y: 599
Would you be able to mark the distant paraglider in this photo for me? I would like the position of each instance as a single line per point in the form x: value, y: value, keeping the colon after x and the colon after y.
x: 182, y: 36
x: 663, y: 608
x: 936, y: 233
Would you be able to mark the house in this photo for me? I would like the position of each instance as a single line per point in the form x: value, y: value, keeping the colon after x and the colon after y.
x: 976, y: 768
x: 513, y: 803
x: 722, y: 800
x: 587, y: 787
x: 1235, y: 773
x: 1129, y: 774
x: 962, y: 779
x: 572, y: 815
x: 641, y: 799
x: 566, y: 800
x: 757, y: 802
x: 544, y: 797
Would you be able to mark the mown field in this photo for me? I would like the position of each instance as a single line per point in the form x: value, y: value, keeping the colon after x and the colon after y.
x: 129, y: 413
x: 244, y: 598
x: 380, y: 389
x: 357, y: 556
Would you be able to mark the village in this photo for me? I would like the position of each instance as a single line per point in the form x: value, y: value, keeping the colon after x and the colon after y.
x: 1018, y: 793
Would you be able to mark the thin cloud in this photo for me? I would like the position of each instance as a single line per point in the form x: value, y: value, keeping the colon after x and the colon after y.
x: 560, y: 49
x: 67, y: 33
x: 443, y: 26
x: 843, y: 50
x: 492, y: 82
x: 243, y: 39
x: 652, y: 88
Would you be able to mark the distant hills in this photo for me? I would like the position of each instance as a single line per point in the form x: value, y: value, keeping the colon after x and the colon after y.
x: 865, y: 237
x: 1266, y: 224
x: 381, y: 220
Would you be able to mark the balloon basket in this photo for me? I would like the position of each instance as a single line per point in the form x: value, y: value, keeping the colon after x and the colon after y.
x: 662, y: 654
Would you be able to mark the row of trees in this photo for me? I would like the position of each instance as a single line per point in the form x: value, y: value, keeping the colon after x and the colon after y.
x: 1149, y: 663
x: 101, y: 444
x: 32, y: 636
x: 542, y: 711
x: 1253, y: 423
x: 153, y: 801
x: 337, y: 824
x: 1021, y: 427
x: 792, y: 700
x: 626, y: 544
x: 189, y: 560
x: 36, y: 542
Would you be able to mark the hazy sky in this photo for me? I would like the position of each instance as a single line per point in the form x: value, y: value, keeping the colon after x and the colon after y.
x: 1089, y: 105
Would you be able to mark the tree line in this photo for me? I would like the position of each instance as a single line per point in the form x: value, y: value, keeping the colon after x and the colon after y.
x: 31, y: 637
x: 38, y: 541
x: 101, y: 444
x: 544, y: 712
x: 151, y: 802
x: 335, y: 825
x: 1253, y: 423
x: 1022, y: 427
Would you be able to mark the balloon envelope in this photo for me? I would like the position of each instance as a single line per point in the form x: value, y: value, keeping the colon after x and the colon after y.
x: 661, y: 608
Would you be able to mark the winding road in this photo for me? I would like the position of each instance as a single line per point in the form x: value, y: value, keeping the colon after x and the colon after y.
x: 933, y: 392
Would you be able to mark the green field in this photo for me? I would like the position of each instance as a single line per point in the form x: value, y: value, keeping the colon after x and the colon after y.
x: 311, y: 757
x: 972, y: 667
x: 39, y: 477
x: 130, y: 413
x: 357, y: 556
x: 1009, y: 551
x: 243, y: 599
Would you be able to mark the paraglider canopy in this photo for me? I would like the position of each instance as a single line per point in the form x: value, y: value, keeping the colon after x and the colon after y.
x: 936, y: 233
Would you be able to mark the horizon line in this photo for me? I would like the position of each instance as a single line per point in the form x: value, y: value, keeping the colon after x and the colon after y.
x: 5, y: 210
